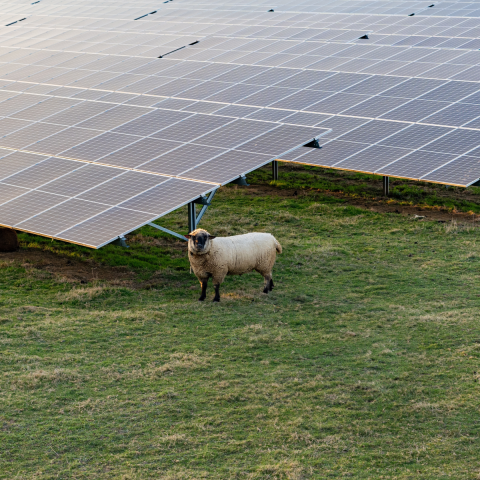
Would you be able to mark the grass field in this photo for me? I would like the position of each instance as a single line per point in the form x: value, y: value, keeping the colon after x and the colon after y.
x: 361, y: 364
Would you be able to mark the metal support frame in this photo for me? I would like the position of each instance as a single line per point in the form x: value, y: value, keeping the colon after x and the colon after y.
x: 120, y: 241
x: 241, y: 181
x: 275, y: 170
x: 193, y: 218
x: 166, y: 230
x: 386, y: 186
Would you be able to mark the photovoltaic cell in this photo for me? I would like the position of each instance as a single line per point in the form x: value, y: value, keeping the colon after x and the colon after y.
x: 63, y: 216
x: 78, y: 113
x: 9, y: 192
x: 97, y: 147
x: 16, y: 103
x: 373, y: 131
x: 42, y: 172
x: 122, y: 187
x: 235, y: 133
x: 166, y: 196
x: 28, y: 135
x: 152, y: 122
x: 139, y: 152
x: 234, y: 93
x: 454, y: 115
x: 191, y: 128
x: 463, y: 172
x: 183, y: 158
x: 281, y: 139
x: 26, y: 206
x: 105, y: 227
x: 63, y: 140
x: 372, y: 158
x: 414, y: 110
x: 336, y: 103
x: 80, y: 180
x: 416, y: 164
x: 456, y: 142
x: 341, y: 125
x: 44, y: 109
x: 451, y: 91
x: 375, y: 106
x: 9, y: 125
x: 114, y: 117
x: 331, y: 153
x: 412, y: 88
x: 375, y: 85
x: 225, y: 167
x: 415, y: 136
x: 14, y: 162
x: 301, y: 100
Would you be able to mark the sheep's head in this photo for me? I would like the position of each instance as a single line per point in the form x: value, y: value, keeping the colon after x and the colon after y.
x: 199, y: 241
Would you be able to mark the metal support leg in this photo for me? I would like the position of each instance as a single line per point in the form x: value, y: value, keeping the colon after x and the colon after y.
x: 275, y: 170
x: 121, y: 242
x: 192, y: 217
x: 386, y: 186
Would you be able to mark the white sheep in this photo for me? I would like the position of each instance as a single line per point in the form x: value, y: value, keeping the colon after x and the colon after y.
x: 217, y: 257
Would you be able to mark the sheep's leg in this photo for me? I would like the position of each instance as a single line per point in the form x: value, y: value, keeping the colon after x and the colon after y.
x: 218, y: 279
x: 216, y: 298
x: 203, y: 283
x: 268, y: 282
x: 271, y: 284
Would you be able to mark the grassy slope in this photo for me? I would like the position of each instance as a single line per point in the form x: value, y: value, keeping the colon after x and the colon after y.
x: 360, y: 364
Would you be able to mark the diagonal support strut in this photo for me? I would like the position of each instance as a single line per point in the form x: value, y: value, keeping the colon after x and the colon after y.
x: 193, y: 218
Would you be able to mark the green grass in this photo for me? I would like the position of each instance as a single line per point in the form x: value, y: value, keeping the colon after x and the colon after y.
x: 352, y: 184
x: 362, y: 363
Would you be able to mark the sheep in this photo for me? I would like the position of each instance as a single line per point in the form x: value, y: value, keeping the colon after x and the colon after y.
x: 217, y: 257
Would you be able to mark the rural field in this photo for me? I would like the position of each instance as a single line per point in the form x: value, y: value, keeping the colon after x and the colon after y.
x: 362, y: 363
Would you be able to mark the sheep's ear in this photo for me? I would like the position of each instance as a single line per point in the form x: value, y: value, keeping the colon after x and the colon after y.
x: 211, y: 237
x: 188, y: 236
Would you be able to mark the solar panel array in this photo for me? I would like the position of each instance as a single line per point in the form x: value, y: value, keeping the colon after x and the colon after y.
x: 98, y: 135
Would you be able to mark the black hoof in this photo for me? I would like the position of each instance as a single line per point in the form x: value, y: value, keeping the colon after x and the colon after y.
x: 216, y: 299
x: 201, y: 299
x: 265, y: 290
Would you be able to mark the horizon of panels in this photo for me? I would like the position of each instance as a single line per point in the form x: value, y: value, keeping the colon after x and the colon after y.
x: 270, y: 113
x: 92, y: 9
x: 390, y: 39
x: 366, y: 26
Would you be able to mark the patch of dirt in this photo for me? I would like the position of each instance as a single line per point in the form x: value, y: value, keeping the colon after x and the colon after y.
x: 438, y: 214
x: 68, y: 269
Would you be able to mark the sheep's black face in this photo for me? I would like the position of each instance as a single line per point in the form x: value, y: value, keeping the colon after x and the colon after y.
x: 200, y: 241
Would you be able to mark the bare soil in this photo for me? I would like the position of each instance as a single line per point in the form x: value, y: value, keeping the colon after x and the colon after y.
x: 71, y: 270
